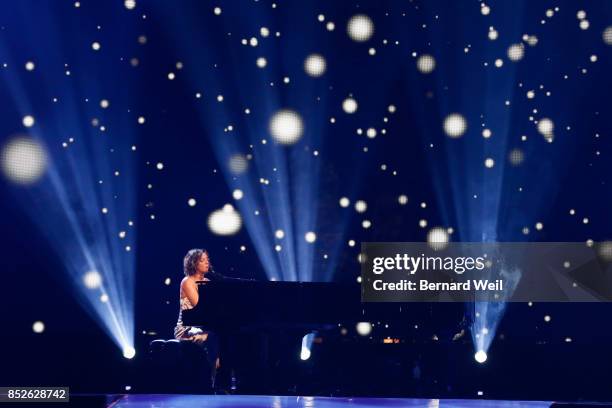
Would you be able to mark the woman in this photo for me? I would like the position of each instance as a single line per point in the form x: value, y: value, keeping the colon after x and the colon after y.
x: 196, y: 265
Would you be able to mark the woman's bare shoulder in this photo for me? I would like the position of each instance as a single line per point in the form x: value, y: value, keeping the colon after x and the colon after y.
x: 187, y: 282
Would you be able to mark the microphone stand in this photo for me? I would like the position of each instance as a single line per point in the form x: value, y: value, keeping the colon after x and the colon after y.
x: 216, y: 277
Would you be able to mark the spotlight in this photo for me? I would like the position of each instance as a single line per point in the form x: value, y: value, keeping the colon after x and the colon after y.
x: 306, y: 352
x: 480, y: 356
x: 129, y: 352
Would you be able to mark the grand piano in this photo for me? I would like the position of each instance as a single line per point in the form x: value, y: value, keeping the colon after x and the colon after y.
x: 261, y: 325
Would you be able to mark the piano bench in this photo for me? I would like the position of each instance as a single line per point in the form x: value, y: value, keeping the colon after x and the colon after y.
x: 178, y: 366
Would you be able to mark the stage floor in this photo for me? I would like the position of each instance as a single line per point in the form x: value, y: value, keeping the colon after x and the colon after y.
x: 260, y: 401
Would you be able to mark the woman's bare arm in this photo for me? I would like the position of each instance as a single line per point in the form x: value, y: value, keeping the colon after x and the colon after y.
x: 190, y: 289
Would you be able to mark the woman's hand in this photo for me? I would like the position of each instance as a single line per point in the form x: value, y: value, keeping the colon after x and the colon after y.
x: 199, y: 338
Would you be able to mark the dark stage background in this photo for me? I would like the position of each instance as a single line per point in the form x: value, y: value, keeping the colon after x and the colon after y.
x: 162, y: 66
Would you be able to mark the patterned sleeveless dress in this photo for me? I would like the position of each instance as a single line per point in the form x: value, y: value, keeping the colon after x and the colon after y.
x: 180, y: 331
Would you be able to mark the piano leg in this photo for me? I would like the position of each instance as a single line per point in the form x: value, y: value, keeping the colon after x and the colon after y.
x: 209, y: 350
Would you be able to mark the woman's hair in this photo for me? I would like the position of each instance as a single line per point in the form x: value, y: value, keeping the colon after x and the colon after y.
x: 191, y: 260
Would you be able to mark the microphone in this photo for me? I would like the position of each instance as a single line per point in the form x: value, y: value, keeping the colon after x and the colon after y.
x: 216, y: 277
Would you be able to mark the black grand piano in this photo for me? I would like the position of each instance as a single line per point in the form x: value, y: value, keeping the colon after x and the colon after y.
x: 232, y: 305
x: 261, y: 324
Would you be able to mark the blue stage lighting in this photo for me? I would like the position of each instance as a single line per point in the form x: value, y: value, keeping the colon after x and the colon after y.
x: 480, y: 356
x: 75, y: 177
x: 306, y: 350
x: 129, y: 352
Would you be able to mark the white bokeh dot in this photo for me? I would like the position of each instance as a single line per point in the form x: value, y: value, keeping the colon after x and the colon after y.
x: 24, y: 160
x: 92, y: 280
x: 349, y: 105
x: 310, y: 237
x: 363, y: 328
x: 360, y: 28
x: 225, y: 221
x: 516, y: 156
x: 455, y: 125
x: 238, y: 164
x: 516, y: 52
x: 607, y: 35
x: 38, y: 327
x: 28, y: 121
x: 315, y: 65
x: 546, y: 128
x: 426, y: 64
x: 437, y: 238
x: 286, y: 127
x: 237, y: 194
x: 361, y: 206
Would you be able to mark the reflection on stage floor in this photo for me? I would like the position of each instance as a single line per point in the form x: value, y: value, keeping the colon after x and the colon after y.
x: 260, y: 401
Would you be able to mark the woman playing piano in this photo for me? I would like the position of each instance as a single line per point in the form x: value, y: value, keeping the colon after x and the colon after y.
x: 196, y: 265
